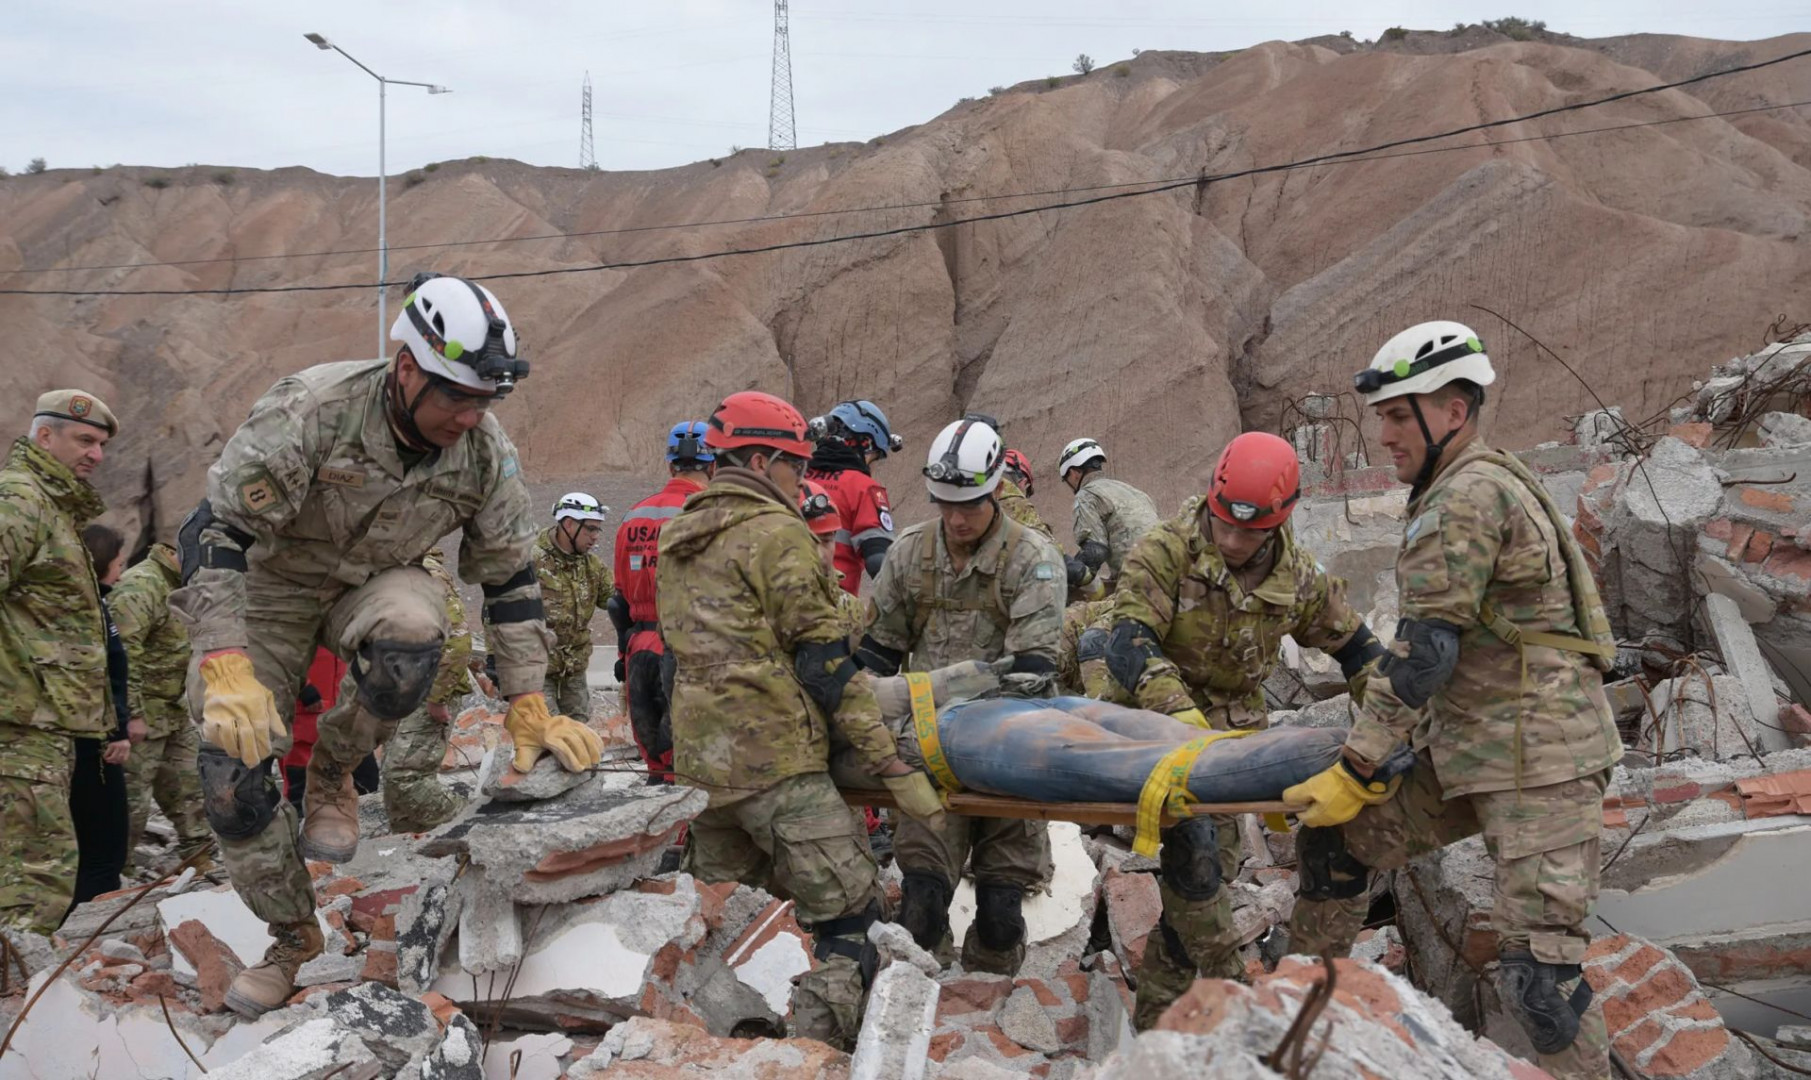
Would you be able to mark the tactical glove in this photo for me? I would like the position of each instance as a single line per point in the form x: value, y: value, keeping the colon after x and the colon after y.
x: 915, y: 797
x: 1335, y: 796
x: 238, y: 714
x: 535, y: 729
x: 1193, y: 718
x: 619, y: 669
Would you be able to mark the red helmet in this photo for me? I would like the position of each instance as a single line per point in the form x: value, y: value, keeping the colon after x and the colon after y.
x: 1256, y: 482
x: 1020, y: 464
x: 751, y: 418
x: 820, y: 512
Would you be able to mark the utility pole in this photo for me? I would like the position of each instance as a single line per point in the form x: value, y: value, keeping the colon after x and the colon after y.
x: 781, y: 132
x: 587, y: 156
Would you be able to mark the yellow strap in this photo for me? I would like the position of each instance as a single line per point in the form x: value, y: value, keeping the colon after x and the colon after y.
x: 1277, y: 823
x: 1167, y: 788
x: 924, y: 725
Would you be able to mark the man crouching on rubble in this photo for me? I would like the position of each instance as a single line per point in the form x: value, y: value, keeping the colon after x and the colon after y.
x: 318, y: 516
x: 1496, y: 682
x: 761, y: 663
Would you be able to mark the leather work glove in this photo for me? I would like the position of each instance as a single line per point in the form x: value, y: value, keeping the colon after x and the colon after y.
x: 534, y: 729
x: 1193, y: 718
x: 1335, y: 796
x: 238, y: 714
x: 916, y: 797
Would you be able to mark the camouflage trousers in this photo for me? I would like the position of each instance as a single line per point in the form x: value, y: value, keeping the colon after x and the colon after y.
x: 414, y: 798
x: 37, y: 834
x: 800, y: 841
x: 162, y: 770
x: 1544, y: 842
x: 997, y: 851
x: 1193, y: 938
x: 283, y: 625
x: 568, y: 695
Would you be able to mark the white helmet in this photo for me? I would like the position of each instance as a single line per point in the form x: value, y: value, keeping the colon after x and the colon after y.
x: 1422, y: 359
x: 965, y: 462
x: 457, y: 330
x: 579, y: 507
x: 1078, y: 453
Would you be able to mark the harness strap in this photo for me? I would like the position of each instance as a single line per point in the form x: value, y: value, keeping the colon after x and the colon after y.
x: 924, y: 725
x: 1166, y: 789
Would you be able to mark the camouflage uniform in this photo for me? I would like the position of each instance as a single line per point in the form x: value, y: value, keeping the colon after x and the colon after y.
x: 740, y: 586
x: 1081, y: 665
x: 1114, y: 513
x: 53, y: 679
x: 333, y: 521
x: 851, y: 615
x: 1520, y: 754
x: 1005, y: 600
x: 414, y: 798
x: 574, y: 589
x: 162, y: 767
x: 1017, y: 506
x: 1219, y: 643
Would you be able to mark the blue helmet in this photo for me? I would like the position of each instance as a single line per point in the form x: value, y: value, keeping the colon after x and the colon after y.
x: 686, y: 443
x: 865, y: 418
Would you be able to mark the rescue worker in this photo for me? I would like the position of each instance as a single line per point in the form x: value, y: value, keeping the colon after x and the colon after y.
x: 1110, y: 515
x: 575, y: 586
x: 1496, y: 681
x: 854, y: 436
x: 761, y: 681
x: 1198, y: 621
x: 414, y: 798
x: 1082, y: 662
x: 53, y: 650
x: 162, y: 765
x: 317, y: 516
x: 1015, y: 494
x: 971, y: 585
x: 822, y: 516
x: 631, y: 607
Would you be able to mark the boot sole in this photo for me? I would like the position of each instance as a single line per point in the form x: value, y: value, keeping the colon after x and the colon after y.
x: 247, y: 1007
x: 311, y: 849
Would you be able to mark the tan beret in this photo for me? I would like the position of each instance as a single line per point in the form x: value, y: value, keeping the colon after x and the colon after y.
x: 80, y: 406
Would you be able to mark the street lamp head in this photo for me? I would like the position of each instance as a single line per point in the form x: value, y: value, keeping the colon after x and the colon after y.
x: 438, y: 90
x: 319, y: 41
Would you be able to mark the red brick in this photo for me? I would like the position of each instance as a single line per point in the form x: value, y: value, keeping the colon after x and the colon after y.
x: 1680, y: 793
x: 441, y: 1006
x: 1078, y: 987
x: 381, y: 902
x: 1719, y: 529
x: 1789, y: 562
x: 1738, y: 542
x: 1687, y: 1051
x: 345, y: 886
x: 942, y: 1045
x: 380, y: 966
x: 1762, y: 499
x: 155, y: 984
x: 1073, y: 1031
x: 1759, y: 546
x: 1637, y: 1039
x: 1796, y: 718
x: 307, y: 992
x: 981, y: 993
x: 216, y: 966
x: 1694, y: 434
x: 1042, y: 992
x: 1636, y: 966
x: 1004, y: 1045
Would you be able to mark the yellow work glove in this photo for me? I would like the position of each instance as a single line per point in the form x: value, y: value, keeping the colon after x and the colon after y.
x: 1193, y: 718
x: 915, y: 796
x: 1335, y: 796
x: 535, y: 729
x: 238, y: 714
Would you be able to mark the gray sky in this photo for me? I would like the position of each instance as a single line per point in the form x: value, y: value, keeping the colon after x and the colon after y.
x: 231, y: 82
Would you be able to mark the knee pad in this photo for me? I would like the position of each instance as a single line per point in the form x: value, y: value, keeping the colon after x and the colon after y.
x: 1190, y: 859
x: 924, y: 907
x: 1327, y: 870
x: 999, y: 916
x: 239, y: 802
x: 394, y: 677
x: 1531, y: 991
x: 848, y: 936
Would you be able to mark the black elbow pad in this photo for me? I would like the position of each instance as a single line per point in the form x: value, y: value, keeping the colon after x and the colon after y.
x: 1094, y: 554
x: 1433, y: 654
x: 875, y: 657
x: 1031, y: 664
x: 1130, y: 647
x: 874, y: 552
x: 194, y: 553
x: 1360, y: 649
x: 617, y: 607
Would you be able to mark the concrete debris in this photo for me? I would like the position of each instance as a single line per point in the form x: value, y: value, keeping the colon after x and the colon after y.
x: 896, y: 1028
x: 499, y: 780
x: 394, y: 1026
x: 1780, y: 793
x: 530, y: 1057
x: 1742, y: 656
x: 894, y: 942
x: 458, y: 1055
x: 1134, y: 904
x: 1059, y: 919
x: 1658, y: 1018
x: 599, y: 836
x: 1023, y: 1020
x: 1710, y: 718
x: 648, y: 1049
x: 490, y: 930
x: 1781, y: 430
x: 316, y: 1049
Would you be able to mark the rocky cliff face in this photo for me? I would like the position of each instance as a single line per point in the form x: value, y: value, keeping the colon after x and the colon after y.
x: 1159, y: 325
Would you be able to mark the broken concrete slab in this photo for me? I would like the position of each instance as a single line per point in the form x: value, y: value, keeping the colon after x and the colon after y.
x: 456, y: 1056
x: 425, y: 920
x: 1023, y: 1020
x: 1109, y: 1022
x: 648, y: 1048
x: 770, y: 951
x: 1134, y: 904
x: 311, y: 1050
x: 1736, y: 644
x: 1780, y: 430
x: 394, y: 1026
x: 894, y: 942
x: 499, y: 780
x: 541, y: 1057
x: 896, y: 1027
x: 591, y: 840
x: 490, y: 928
x: 1707, y: 717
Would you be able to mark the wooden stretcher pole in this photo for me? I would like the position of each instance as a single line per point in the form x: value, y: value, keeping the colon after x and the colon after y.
x: 1081, y: 813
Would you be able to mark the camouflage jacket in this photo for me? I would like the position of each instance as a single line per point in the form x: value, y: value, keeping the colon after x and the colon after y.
x: 157, y: 647
x: 1017, y: 506
x: 53, y: 640
x: 574, y: 588
x: 740, y: 586
x: 1219, y: 642
x: 454, y: 678
x: 1114, y: 513
x: 314, y: 476
x: 1480, y: 536
x: 851, y: 614
x: 1082, y: 666
x: 1006, y: 600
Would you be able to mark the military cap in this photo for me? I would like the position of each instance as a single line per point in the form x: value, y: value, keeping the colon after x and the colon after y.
x: 80, y: 406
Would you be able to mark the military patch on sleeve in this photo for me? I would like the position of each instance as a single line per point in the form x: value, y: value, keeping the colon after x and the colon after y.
x: 257, y: 495
x: 510, y: 466
x: 1424, y: 523
x: 886, y: 520
x: 1045, y: 572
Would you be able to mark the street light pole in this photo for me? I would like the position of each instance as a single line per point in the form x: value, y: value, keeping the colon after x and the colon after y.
x: 383, y: 246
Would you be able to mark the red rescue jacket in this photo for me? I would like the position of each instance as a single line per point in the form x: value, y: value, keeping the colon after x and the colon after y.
x: 862, y: 502
x: 638, y: 552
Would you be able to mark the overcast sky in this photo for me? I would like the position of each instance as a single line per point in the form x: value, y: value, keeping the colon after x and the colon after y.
x: 232, y: 82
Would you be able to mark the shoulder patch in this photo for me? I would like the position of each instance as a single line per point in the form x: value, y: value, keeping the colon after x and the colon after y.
x: 886, y: 519
x: 1428, y: 520
x: 510, y: 466
x: 1044, y: 572
x: 257, y: 495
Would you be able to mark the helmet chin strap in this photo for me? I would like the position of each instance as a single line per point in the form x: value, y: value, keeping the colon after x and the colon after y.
x: 1434, y: 449
x: 572, y: 537
x: 402, y: 413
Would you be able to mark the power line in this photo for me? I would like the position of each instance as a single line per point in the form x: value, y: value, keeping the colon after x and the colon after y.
x: 1152, y: 187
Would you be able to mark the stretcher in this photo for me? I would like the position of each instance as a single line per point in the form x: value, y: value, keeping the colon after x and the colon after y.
x: 974, y: 804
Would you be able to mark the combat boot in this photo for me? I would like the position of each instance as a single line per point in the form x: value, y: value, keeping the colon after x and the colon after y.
x: 329, y: 812
x: 269, y: 983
